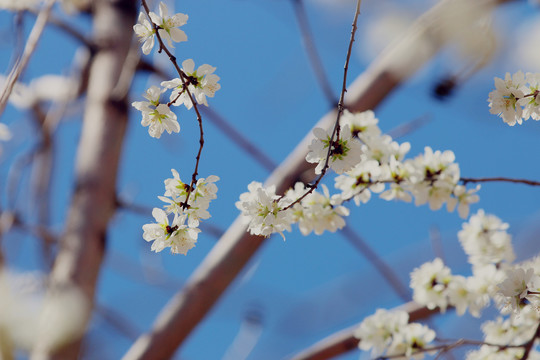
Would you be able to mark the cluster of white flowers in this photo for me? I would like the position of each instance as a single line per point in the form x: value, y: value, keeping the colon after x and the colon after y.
x: 197, y: 83
x: 168, y: 28
x: 188, y: 207
x: 201, y: 83
x: 513, y: 331
x: 157, y: 116
x: 434, y: 286
x: 267, y: 213
x: 485, y: 240
x: 513, y: 287
x: 516, y: 98
x: 489, y: 248
x: 521, y: 286
x: 390, y: 334
x: 367, y: 161
x: 187, y: 202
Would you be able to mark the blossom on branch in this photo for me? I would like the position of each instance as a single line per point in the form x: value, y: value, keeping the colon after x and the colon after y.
x: 263, y: 210
x: 168, y: 26
x: 201, y: 83
x: 430, y: 284
x: 158, y: 117
x: 145, y: 32
x: 514, y: 92
x: 344, y: 151
x: 485, y: 240
x: 176, y: 235
x: 389, y: 334
x: 317, y: 211
x: 520, y: 287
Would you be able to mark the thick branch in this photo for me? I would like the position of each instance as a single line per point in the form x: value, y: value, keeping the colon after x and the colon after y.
x: 186, y: 310
x: 93, y: 203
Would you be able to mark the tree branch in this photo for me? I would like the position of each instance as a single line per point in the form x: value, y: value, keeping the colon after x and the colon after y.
x: 344, y: 340
x: 31, y: 45
x: 228, y: 257
x: 82, y: 245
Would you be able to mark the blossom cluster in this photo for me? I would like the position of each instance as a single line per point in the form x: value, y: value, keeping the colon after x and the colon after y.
x: 516, y: 98
x: 188, y: 206
x: 366, y: 161
x: 489, y: 249
x: 267, y: 213
x: 187, y: 203
x: 192, y: 85
x: 512, y: 287
x: 510, y: 334
x: 389, y: 333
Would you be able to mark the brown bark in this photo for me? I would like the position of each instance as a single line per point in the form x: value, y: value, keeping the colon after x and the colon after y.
x: 82, y: 245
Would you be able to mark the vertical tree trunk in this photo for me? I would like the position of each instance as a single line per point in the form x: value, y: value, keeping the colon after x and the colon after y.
x: 82, y: 245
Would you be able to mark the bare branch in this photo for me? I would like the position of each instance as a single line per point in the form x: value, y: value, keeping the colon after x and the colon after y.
x: 311, y: 50
x: 340, y: 109
x: 371, y: 256
x: 82, y: 245
x: 500, y: 179
x: 239, y: 139
x: 69, y: 30
x: 31, y: 45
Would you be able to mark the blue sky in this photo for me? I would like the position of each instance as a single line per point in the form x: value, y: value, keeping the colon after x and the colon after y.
x: 308, y: 286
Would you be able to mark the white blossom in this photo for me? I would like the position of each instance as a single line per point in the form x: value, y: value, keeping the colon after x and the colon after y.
x: 158, y: 117
x: 344, y: 151
x: 520, y: 287
x: 362, y: 125
x: 145, y: 32
x: 360, y: 181
x: 389, y: 334
x: 531, y: 103
x: 263, y: 210
x: 168, y: 26
x: 410, y: 340
x: 430, y: 284
x: 503, y: 101
x: 462, y: 197
x: 201, y: 83
x: 317, y: 212
x: 485, y: 240
x: 434, y: 178
x: 176, y: 193
x: 383, y: 148
x: 378, y: 330
x: 176, y: 235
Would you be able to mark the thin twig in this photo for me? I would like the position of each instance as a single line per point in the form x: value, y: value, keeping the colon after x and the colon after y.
x: 383, y: 268
x: 340, y: 108
x: 185, y: 80
x: 225, y: 126
x: 311, y: 50
x: 22, y: 62
x: 500, y: 179
x: 209, y: 281
x: 122, y: 324
x: 70, y: 30
x: 529, y: 344
x: 242, y: 141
